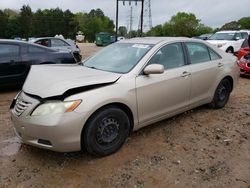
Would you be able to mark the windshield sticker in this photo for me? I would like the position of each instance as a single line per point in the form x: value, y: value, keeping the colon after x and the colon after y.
x: 140, y: 46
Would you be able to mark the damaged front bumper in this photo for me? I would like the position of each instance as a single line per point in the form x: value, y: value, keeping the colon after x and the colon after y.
x: 57, y: 132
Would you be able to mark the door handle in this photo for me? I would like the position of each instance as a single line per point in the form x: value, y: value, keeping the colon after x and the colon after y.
x: 185, y: 74
x: 220, y: 65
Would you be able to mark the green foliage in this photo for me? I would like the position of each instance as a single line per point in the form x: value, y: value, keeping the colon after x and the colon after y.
x: 122, y: 31
x: 181, y: 24
x: 244, y: 23
x: 3, y: 23
x: 234, y: 25
x: 94, y: 22
x: 50, y: 22
x: 156, y: 31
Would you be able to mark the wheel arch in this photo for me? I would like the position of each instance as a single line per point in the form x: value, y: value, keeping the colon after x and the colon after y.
x: 230, y: 79
x: 230, y: 47
x: 119, y: 105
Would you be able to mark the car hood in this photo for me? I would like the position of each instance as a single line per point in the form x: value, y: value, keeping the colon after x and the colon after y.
x: 216, y: 42
x: 54, y: 80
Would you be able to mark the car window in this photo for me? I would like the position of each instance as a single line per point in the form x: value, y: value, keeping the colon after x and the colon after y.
x: 222, y: 36
x: 198, y: 52
x: 43, y: 42
x: 238, y: 35
x: 213, y: 55
x: 170, y: 56
x: 35, y: 49
x: 244, y: 35
x: 9, y: 50
x: 245, y: 44
x: 58, y: 43
x: 118, y: 57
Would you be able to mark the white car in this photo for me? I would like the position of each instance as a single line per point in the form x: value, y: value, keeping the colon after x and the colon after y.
x: 228, y: 41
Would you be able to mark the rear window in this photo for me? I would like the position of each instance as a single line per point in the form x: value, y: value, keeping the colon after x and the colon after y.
x: 198, y: 52
x: 213, y: 55
x: 9, y: 50
x: 58, y: 43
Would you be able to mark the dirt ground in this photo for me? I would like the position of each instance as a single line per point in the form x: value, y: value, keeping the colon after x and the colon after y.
x: 200, y: 148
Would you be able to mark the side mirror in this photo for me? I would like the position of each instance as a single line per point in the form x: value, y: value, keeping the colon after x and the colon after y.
x: 154, y: 69
x: 237, y: 38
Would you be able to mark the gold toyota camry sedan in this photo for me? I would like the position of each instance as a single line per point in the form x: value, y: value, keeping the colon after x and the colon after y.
x: 124, y: 87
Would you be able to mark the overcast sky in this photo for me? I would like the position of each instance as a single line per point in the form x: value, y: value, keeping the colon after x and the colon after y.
x: 213, y: 13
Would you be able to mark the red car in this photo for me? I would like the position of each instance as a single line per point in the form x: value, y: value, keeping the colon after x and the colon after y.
x: 244, y: 59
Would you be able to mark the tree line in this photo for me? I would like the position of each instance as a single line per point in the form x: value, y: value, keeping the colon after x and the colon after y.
x: 49, y: 22
x: 186, y: 24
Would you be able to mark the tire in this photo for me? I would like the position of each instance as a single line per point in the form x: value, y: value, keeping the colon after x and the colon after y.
x: 222, y: 94
x: 106, y: 131
x: 230, y: 50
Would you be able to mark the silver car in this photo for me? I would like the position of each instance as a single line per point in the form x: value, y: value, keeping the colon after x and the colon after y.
x: 124, y: 87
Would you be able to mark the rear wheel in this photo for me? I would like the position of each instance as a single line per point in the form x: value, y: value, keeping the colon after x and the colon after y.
x: 221, y: 95
x: 106, y: 131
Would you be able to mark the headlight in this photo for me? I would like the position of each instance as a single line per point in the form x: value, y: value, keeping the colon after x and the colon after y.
x: 220, y: 45
x: 56, y: 107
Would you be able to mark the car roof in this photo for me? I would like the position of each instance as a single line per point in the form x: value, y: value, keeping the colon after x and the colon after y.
x: 41, y: 38
x: 229, y: 31
x: 153, y: 40
x: 11, y: 41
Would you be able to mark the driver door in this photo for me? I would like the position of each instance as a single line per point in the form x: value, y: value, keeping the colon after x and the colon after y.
x: 161, y: 95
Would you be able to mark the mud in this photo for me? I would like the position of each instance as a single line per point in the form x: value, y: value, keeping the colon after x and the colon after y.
x: 199, y: 148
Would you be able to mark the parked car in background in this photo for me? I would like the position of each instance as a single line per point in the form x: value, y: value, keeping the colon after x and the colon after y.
x: 244, y: 64
x: 245, y: 30
x: 203, y: 36
x: 124, y: 87
x: 16, y: 58
x: 245, y: 48
x: 244, y: 58
x: 58, y: 43
x: 228, y: 41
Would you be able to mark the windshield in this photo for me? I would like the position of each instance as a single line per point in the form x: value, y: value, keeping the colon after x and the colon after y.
x: 222, y: 36
x: 118, y: 57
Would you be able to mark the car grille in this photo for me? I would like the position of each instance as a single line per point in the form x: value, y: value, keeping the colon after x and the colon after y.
x: 21, y: 106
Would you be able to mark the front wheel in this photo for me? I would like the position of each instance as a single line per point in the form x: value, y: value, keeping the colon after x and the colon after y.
x: 221, y: 95
x: 106, y: 131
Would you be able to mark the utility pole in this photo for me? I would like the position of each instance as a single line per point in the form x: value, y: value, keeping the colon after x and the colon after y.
x: 117, y: 14
x: 147, y: 16
x: 131, y: 19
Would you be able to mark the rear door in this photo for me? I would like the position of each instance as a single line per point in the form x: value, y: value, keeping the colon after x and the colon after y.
x: 10, y: 61
x: 163, y: 94
x: 205, y: 66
